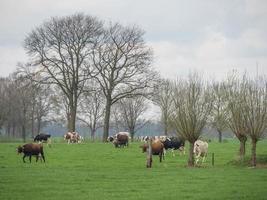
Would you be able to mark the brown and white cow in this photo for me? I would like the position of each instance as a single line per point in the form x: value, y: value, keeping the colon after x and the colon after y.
x: 121, y: 139
x: 157, y: 148
x: 73, y: 137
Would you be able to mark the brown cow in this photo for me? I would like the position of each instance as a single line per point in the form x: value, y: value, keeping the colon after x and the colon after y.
x: 30, y: 150
x: 73, y: 137
x: 157, y: 148
x: 121, y: 140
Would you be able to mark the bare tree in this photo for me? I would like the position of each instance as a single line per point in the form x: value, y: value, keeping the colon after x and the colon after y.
x: 163, y: 98
x: 255, y: 112
x: 91, y: 110
x: 60, y: 49
x: 235, y: 91
x: 121, y: 63
x: 43, y: 105
x: 192, y: 106
x: 4, y: 82
x: 219, y: 111
x: 130, y: 111
x: 22, y: 108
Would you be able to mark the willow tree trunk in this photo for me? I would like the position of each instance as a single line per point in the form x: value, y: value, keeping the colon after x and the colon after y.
x: 165, y: 127
x: 191, y: 160
x: 220, y: 135
x: 253, y: 153
x: 132, y: 134
x: 106, y: 121
x: 242, y: 148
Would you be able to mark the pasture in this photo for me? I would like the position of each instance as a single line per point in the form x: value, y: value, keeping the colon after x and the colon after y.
x: 100, y: 171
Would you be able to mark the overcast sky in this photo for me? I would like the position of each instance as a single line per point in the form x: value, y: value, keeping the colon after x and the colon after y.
x: 208, y: 36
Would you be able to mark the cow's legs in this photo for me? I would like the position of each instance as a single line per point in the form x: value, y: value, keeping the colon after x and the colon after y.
x: 173, y: 153
x: 42, y: 154
x: 24, y: 158
x: 30, y: 158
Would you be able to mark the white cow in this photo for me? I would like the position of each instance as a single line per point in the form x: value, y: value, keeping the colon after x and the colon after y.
x: 200, y: 150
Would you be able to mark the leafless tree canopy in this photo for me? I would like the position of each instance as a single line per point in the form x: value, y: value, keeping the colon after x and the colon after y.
x: 129, y: 111
x: 163, y: 98
x: 121, y: 62
x: 219, y: 110
x: 91, y: 109
x: 192, y: 106
x: 235, y: 91
x: 255, y: 112
x: 60, y: 49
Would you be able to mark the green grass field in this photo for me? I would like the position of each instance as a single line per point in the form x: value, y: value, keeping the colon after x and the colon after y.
x: 99, y: 171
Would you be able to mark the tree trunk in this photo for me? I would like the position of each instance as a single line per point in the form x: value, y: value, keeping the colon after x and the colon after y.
x: 220, y: 136
x: 32, y: 127
x: 23, y: 133
x: 253, y: 153
x: 191, y: 160
x: 132, y: 135
x: 93, y: 135
x: 72, y: 118
x: 39, y: 121
x: 242, y: 149
x: 106, y: 121
x: 165, y: 129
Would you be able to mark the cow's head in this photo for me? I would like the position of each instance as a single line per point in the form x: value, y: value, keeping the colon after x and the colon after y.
x: 144, y: 147
x: 20, y: 149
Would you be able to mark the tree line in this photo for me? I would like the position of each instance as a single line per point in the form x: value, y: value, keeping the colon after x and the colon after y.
x: 101, y: 74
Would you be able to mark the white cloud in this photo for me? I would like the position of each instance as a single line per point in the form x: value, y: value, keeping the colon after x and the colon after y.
x: 209, y: 36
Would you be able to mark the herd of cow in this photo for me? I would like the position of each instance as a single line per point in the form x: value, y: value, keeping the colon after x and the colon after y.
x: 159, y: 145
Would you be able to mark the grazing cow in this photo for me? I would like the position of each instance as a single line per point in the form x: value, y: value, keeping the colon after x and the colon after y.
x: 41, y: 137
x: 174, y: 143
x: 157, y: 148
x: 110, y: 138
x: 73, y: 137
x: 200, y: 150
x: 121, y: 140
x: 31, y: 149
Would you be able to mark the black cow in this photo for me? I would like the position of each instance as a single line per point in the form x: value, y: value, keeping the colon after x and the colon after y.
x: 41, y: 137
x: 174, y: 143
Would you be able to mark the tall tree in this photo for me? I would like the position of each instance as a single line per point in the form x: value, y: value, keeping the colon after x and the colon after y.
x: 192, y: 106
x: 121, y: 62
x: 163, y: 98
x: 130, y: 111
x: 235, y: 91
x: 219, y: 111
x: 255, y: 112
x: 60, y: 49
x: 91, y: 110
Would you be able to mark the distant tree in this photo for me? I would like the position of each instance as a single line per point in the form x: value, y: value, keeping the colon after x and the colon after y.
x: 60, y: 49
x: 219, y: 110
x: 192, y: 105
x: 3, y: 101
x: 91, y: 111
x: 255, y: 112
x: 22, y: 108
x: 163, y: 98
x: 130, y: 111
x: 235, y: 92
x: 121, y: 66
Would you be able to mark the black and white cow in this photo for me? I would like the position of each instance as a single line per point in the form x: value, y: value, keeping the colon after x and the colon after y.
x: 174, y: 143
x: 41, y: 137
